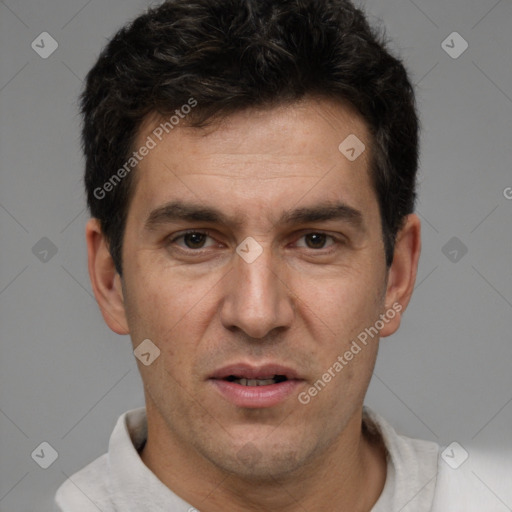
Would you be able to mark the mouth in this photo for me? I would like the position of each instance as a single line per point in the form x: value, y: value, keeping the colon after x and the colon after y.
x: 267, y: 381
x: 250, y: 386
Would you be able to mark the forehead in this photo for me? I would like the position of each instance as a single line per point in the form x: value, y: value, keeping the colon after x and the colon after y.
x: 257, y: 158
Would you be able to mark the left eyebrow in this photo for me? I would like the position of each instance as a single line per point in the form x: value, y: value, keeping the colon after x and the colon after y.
x: 321, y: 213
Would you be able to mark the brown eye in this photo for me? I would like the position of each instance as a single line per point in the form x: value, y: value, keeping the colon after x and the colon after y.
x: 315, y: 240
x: 194, y: 240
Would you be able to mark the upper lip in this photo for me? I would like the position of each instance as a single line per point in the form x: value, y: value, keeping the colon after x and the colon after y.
x: 249, y: 371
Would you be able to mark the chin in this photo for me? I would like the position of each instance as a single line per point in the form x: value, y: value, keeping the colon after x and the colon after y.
x: 261, y: 461
x: 267, y: 469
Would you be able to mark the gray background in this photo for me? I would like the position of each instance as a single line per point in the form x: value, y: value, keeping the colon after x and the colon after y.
x: 65, y: 378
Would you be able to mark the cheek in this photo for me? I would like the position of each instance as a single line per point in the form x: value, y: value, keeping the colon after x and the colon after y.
x: 345, y: 304
x: 343, y: 363
x: 163, y: 296
x: 338, y: 311
x: 172, y: 311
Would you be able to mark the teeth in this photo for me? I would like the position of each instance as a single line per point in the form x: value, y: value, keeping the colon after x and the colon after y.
x: 267, y: 381
x: 255, y: 382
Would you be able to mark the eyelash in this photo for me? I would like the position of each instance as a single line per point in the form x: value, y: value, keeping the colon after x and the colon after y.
x: 172, y: 240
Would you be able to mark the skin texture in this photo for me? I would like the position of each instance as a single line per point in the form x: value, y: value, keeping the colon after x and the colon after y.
x: 300, y: 303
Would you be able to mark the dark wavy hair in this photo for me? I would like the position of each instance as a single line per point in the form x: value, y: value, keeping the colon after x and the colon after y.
x: 233, y: 54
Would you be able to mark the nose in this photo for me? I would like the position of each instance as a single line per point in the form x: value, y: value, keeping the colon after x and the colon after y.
x: 258, y: 299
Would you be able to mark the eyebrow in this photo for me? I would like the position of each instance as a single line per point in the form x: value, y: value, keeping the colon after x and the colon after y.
x: 192, y: 212
x: 188, y: 212
x: 325, y: 212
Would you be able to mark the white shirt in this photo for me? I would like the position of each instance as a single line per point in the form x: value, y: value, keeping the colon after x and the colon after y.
x: 418, y: 477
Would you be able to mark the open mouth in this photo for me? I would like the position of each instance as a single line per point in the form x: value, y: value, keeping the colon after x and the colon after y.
x: 256, y: 386
x: 267, y: 381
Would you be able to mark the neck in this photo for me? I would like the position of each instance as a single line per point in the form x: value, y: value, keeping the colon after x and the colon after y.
x: 348, y: 477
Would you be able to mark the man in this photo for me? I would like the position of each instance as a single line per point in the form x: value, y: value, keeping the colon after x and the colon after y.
x: 250, y: 171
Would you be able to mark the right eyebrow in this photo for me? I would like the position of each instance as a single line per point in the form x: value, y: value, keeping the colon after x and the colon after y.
x: 189, y: 212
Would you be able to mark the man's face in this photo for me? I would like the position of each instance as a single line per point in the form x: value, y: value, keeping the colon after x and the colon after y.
x: 217, y: 314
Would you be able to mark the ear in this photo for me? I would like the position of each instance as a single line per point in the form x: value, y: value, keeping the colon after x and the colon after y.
x: 105, y: 281
x: 402, y: 273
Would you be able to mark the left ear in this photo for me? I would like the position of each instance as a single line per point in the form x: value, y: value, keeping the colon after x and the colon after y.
x: 402, y: 273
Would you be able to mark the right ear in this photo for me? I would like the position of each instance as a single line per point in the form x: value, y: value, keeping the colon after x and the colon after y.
x: 105, y: 281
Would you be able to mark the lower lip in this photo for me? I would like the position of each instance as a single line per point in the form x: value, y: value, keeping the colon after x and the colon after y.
x: 256, y: 396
